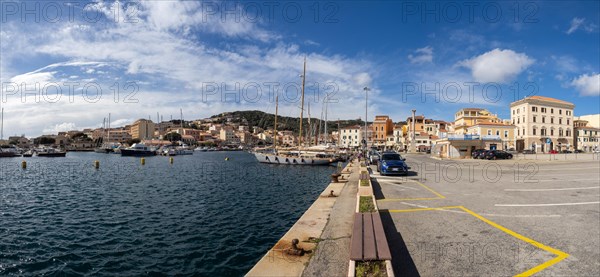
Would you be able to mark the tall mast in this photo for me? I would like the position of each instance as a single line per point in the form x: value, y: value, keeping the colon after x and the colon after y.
x: 2, y: 126
x: 276, y: 112
x: 302, y: 105
x: 308, y: 134
x: 326, y: 122
x: 320, y: 121
x: 108, y: 139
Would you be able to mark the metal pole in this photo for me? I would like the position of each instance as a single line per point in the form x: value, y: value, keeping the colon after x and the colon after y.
x: 366, y: 89
x: 412, y: 140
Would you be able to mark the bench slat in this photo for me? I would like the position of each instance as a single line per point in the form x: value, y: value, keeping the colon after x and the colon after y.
x: 356, y: 245
x: 370, y: 252
x: 383, y: 250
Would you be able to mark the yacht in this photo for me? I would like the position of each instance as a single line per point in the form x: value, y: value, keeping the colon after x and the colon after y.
x: 8, y: 152
x: 50, y: 152
x: 138, y: 150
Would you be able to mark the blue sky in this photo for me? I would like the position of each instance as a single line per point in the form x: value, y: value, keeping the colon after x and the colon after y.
x: 161, y: 56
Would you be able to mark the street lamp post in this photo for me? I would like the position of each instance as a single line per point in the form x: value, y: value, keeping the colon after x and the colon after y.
x: 366, y: 89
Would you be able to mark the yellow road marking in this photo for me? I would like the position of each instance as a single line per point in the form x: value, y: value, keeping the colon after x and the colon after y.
x: 439, y: 196
x: 559, y: 254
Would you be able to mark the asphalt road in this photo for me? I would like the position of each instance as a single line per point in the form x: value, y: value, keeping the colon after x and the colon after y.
x: 493, y: 218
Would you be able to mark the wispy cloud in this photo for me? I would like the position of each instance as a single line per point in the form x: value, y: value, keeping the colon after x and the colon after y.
x: 421, y: 55
x: 579, y: 23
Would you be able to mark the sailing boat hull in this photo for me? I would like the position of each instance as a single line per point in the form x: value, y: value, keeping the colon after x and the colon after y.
x: 278, y: 159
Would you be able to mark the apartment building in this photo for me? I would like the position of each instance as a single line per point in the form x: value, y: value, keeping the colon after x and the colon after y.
x: 467, y: 117
x: 542, y: 124
x: 352, y: 136
x: 586, y: 136
x: 142, y: 129
x: 495, y: 130
x: 383, y: 126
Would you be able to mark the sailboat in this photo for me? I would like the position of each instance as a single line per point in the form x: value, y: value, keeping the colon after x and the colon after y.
x: 292, y: 157
x: 6, y: 151
x: 106, y: 146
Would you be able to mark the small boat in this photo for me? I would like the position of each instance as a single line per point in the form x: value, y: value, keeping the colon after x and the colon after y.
x: 8, y: 152
x: 28, y: 154
x: 138, y: 150
x: 201, y: 149
x: 50, y: 152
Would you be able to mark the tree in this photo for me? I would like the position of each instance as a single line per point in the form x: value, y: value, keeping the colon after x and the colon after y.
x: 172, y: 137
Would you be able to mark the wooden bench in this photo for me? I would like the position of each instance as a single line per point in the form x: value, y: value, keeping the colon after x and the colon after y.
x: 368, y: 238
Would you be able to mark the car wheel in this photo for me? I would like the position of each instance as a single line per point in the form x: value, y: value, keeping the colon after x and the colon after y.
x: 509, y: 157
x: 494, y: 157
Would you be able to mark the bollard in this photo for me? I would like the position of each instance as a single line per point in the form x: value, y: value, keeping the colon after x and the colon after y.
x: 171, y: 160
x: 227, y: 159
x: 24, y: 165
x: 96, y: 164
x: 143, y: 161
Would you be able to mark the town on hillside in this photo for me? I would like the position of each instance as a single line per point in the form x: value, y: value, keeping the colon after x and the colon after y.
x: 536, y: 124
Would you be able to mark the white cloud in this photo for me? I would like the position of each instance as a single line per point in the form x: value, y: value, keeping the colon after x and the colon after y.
x: 158, y: 50
x: 579, y: 23
x: 422, y: 55
x: 497, y: 65
x: 62, y: 127
x: 587, y: 85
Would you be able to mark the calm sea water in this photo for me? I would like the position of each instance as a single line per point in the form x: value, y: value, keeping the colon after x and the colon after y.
x: 200, y: 216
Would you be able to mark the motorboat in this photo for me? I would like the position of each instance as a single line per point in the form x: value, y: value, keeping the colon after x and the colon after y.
x: 50, y: 152
x: 138, y: 150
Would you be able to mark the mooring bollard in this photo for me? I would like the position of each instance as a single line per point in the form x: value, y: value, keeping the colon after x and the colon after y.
x: 171, y: 160
x: 143, y: 161
x: 96, y: 164
x: 24, y: 165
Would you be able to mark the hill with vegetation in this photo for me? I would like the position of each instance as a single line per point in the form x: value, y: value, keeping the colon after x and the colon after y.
x: 267, y: 121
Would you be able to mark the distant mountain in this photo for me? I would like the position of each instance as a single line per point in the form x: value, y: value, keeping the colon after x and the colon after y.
x: 267, y: 120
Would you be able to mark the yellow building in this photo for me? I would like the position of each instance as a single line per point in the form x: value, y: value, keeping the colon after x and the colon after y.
x: 493, y: 130
x: 468, y: 117
x: 383, y: 126
x: 142, y: 129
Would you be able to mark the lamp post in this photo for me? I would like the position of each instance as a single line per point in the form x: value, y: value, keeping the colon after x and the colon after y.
x: 366, y: 89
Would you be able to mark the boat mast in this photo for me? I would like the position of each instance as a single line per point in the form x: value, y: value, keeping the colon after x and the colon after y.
x: 326, y: 134
x: 2, y: 126
x: 309, y: 133
x: 108, y: 131
x: 302, y: 105
x: 276, y: 112
x: 318, y: 139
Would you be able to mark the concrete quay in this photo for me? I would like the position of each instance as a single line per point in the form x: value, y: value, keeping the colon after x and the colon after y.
x: 324, y: 229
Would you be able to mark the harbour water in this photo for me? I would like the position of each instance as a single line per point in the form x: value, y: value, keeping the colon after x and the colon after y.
x: 202, y: 215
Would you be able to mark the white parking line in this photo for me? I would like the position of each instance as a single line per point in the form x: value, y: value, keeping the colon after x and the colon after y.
x: 552, y: 189
x: 545, y: 205
x: 562, y: 180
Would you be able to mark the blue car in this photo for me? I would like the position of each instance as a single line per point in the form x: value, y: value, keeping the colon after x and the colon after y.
x: 392, y: 164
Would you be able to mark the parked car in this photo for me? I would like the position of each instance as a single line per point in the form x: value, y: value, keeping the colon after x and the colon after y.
x: 475, y: 154
x: 553, y: 152
x: 392, y: 163
x: 482, y: 154
x: 566, y: 151
x: 373, y: 157
x: 498, y: 154
x: 596, y: 151
x: 528, y: 151
x: 579, y: 151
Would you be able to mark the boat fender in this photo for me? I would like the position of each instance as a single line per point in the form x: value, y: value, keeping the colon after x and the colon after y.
x: 287, y: 160
x: 303, y: 160
x: 295, y: 161
x: 277, y: 158
x: 267, y: 158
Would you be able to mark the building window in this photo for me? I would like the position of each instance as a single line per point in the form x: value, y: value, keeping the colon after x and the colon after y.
x: 560, y: 120
x: 497, y: 132
x: 518, y: 132
x: 534, y: 118
x: 568, y: 121
x: 505, y: 134
x: 489, y: 132
x: 533, y: 131
x: 551, y: 132
x: 552, y: 120
x: 534, y: 109
x: 551, y: 110
x: 543, y: 110
x: 559, y: 111
x: 543, y: 119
